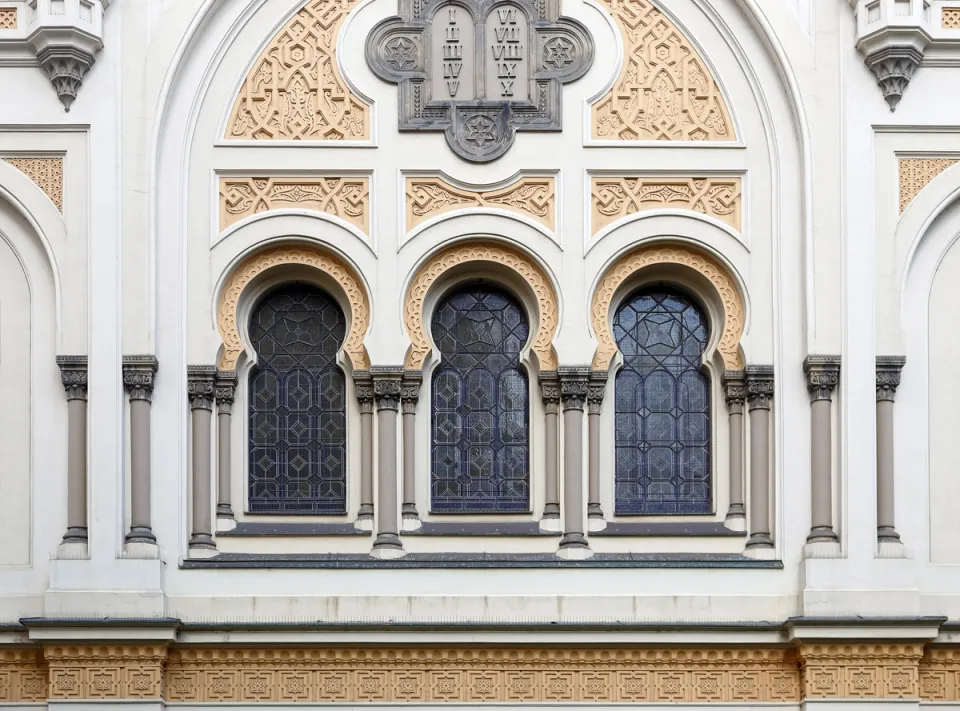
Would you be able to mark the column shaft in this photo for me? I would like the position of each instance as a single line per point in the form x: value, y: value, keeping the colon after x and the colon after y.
x: 410, y: 395
x: 226, y: 386
x: 595, y: 391
x: 823, y: 374
x: 573, y: 391
x: 387, y: 388
x: 200, y: 389
x: 760, y: 393
x: 734, y: 384
x: 138, y: 377
x: 888, y: 380
x: 73, y: 375
x: 364, y: 388
x: 550, y: 393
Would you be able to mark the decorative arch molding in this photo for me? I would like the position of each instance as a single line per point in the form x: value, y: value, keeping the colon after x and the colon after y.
x: 326, y: 262
x: 634, y: 261
x: 492, y: 252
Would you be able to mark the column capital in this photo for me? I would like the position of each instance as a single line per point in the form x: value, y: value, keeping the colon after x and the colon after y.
x: 574, y: 386
x: 200, y: 386
x: 734, y: 390
x: 387, y: 386
x: 759, y: 386
x: 550, y: 391
x: 139, y: 372
x: 225, y: 383
x: 823, y: 374
x: 363, y: 386
x: 410, y: 391
x: 73, y: 375
x: 596, y: 387
x: 888, y: 376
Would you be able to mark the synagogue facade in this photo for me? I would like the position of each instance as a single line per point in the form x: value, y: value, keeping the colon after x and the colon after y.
x: 409, y: 352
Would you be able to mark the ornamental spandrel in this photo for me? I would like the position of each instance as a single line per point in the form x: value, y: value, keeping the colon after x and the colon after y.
x: 479, y: 70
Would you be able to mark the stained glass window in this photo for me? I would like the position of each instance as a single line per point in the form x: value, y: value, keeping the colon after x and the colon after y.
x: 297, y: 404
x: 662, y: 428
x: 480, y: 447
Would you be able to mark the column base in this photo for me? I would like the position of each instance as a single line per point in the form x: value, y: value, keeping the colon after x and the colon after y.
x: 73, y: 550
x: 140, y: 534
x: 892, y: 549
x: 822, y: 549
x: 574, y: 546
x: 141, y: 550
x: 201, y: 546
x: 822, y: 534
x: 594, y: 510
x: 388, y: 547
x: 201, y: 552
x: 550, y: 525
x: 760, y: 547
x: 410, y: 523
x: 596, y: 524
x: 224, y: 511
x: 226, y: 523
x: 735, y: 522
x: 364, y: 520
x: 75, y: 534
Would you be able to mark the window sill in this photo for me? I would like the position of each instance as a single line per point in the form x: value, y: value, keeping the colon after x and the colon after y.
x: 246, y: 528
x: 479, y: 528
x: 667, y: 529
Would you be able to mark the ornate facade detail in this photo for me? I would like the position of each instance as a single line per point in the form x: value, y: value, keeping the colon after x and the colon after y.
x: 387, y: 387
x: 940, y: 675
x: 23, y: 676
x: 734, y: 390
x: 632, y: 262
x: 445, y: 259
x: 8, y: 18
x: 760, y: 386
x: 597, y: 386
x: 550, y: 391
x: 410, y: 391
x: 47, y: 173
x: 139, y: 372
x: 105, y: 671
x: 73, y: 375
x: 66, y: 67
x: 574, y: 387
x: 916, y: 174
x: 665, y: 91
x: 950, y: 18
x: 201, y: 386
x: 888, y: 376
x: 363, y: 387
x: 615, y: 197
x: 260, y: 262
x: 893, y: 66
x: 860, y: 670
x: 294, y: 90
x: 226, y: 387
x: 533, y: 197
x: 345, y: 197
x: 823, y: 374
x: 473, y: 676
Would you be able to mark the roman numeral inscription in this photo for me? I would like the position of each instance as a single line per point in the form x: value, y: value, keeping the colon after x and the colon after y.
x: 506, y: 65
x: 452, y: 49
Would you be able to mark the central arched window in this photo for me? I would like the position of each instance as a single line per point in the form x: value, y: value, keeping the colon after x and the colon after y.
x: 662, y: 396
x: 297, y: 398
x: 480, y: 409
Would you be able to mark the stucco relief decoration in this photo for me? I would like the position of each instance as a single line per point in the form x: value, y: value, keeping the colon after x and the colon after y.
x: 616, y: 197
x: 23, y: 676
x: 479, y: 71
x: 916, y: 174
x: 106, y: 672
x: 851, y: 671
x: 529, y: 270
x: 532, y: 197
x: 47, y: 173
x: 346, y: 197
x: 295, y: 91
x: 950, y: 18
x: 940, y: 675
x: 665, y: 91
x: 325, y: 262
x: 632, y: 262
x: 8, y: 18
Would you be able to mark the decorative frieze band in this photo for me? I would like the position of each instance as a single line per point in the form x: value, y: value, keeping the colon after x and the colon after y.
x: 865, y: 671
x: 916, y: 174
x: 940, y: 675
x: 533, y: 197
x: 345, y: 197
x: 47, y: 173
x: 105, y: 671
x: 613, y: 197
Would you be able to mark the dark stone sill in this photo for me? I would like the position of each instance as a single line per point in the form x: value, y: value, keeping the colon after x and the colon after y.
x: 479, y: 528
x: 705, y: 529
x: 246, y: 528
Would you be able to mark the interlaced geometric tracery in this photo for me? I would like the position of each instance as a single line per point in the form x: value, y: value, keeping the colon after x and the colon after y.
x: 297, y: 421
x: 480, y: 413
x: 662, y: 429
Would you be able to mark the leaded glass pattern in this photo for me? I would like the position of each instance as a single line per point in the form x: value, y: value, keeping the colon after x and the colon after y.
x: 662, y: 428
x: 480, y: 410
x: 297, y: 396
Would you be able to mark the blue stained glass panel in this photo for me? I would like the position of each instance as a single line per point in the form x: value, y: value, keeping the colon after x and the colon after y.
x: 480, y: 405
x: 662, y: 408
x: 297, y: 413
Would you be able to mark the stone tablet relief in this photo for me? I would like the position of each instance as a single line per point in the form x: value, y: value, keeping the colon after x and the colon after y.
x: 506, y: 62
x: 452, y: 53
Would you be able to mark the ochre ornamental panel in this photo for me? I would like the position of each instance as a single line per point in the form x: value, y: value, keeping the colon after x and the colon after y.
x: 916, y: 174
x: 345, y: 197
x: 294, y: 90
x: 23, y: 676
x: 47, y: 173
x: 860, y: 670
x: 950, y: 18
x: 940, y: 674
x: 8, y: 18
x: 665, y: 91
x: 532, y: 197
x: 615, y: 197
x: 105, y: 671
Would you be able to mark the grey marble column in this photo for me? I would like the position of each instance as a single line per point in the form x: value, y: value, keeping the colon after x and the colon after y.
x: 363, y: 383
x: 888, y: 380
x: 596, y: 387
x: 759, y: 400
x: 550, y: 394
x: 409, y: 396
x: 200, y: 391
x: 823, y: 374
x: 573, y: 394
x: 735, y: 392
x: 386, y: 391
x: 226, y: 384
x: 73, y: 375
x: 139, y: 373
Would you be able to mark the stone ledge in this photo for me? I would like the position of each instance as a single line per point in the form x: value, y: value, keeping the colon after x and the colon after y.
x: 479, y: 528
x: 247, y: 528
x: 672, y: 528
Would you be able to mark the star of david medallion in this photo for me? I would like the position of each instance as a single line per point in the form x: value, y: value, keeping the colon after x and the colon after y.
x: 479, y: 70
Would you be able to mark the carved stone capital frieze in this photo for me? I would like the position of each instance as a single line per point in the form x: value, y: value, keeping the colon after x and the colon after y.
x: 387, y: 386
x: 201, y: 386
x: 410, y: 391
x: 823, y: 374
x: 73, y: 375
x: 760, y: 385
x: 574, y: 386
x: 226, y: 387
x: 363, y: 386
x: 734, y: 390
x: 139, y: 373
x: 888, y: 376
x: 876, y: 670
x: 596, y: 388
x: 550, y: 391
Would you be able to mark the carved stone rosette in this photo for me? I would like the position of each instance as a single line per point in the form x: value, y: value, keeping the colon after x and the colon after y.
x: 823, y: 374
x: 201, y: 386
x: 73, y: 375
x: 139, y: 372
x: 888, y: 376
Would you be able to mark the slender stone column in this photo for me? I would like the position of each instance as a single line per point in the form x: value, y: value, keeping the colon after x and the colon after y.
x: 550, y: 393
x: 823, y: 374
x: 226, y: 384
x: 888, y: 380
x: 595, y: 390
x: 364, y: 388
x: 200, y: 390
x: 573, y: 393
x: 139, y: 373
x: 734, y: 391
x: 73, y: 375
x: 386, y: 391
x: 759, y: 399
x: 409, y: 396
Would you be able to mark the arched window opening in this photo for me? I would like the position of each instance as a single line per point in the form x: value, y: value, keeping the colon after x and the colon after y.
x: 662, y: 429
x: 480, y: 405
x: 297, y: 396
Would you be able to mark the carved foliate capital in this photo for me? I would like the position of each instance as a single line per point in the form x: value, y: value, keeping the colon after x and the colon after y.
x: 823, y: 374
x: 550, y: 391
x: 596, y: 387
x: 387, y: 387
x: 410, y: 391
x: 200, y: 386
x: 73, y: 375
x: 888, y: 376
x: 226, y: 387
x: 139, y: 372
x: 759, y: 386
x: 363, y: 385
x: 734, y: 390
x: 574, y: 386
